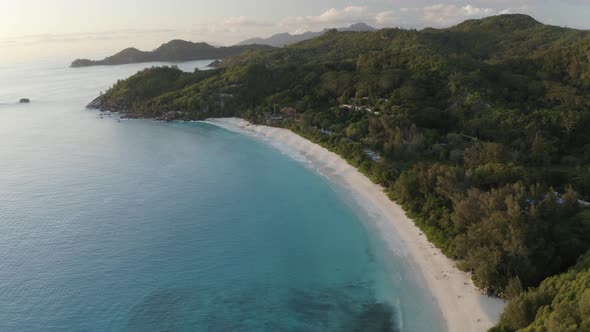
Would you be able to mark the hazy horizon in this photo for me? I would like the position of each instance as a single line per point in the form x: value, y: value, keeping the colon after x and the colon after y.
x: 34, y: 29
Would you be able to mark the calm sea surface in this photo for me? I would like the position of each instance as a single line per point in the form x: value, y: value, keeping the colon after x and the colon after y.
x: 148, y: 226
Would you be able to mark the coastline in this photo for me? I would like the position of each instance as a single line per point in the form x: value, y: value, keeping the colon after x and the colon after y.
x: 462, y: 305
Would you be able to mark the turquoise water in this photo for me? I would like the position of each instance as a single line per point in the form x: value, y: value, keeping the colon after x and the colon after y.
x: 147, y: 226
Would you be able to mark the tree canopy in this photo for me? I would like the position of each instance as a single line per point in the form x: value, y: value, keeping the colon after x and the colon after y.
x: 481, y: 129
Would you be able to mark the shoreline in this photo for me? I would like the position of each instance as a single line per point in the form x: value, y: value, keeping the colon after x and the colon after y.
x: 463, y: 307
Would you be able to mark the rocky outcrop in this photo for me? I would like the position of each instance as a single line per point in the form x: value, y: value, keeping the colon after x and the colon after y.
x: 215, y: 64
x: 97, y: 103
x: 101, y: 103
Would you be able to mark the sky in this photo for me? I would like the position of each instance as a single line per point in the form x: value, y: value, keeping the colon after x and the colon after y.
x: 31, y: 29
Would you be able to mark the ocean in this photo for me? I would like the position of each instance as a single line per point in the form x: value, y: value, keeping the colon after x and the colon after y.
x: 138, y: 225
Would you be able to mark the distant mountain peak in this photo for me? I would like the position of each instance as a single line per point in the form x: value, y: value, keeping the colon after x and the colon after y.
x: 360, y: 27
x: 285, y: 38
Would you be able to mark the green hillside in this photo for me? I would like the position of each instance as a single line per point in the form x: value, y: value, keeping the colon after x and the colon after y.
x: 482, y: 128
x: 175, y: 50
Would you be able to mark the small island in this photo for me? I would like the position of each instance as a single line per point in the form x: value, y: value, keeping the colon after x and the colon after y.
x: 24, y: 101
x: 173, y: 51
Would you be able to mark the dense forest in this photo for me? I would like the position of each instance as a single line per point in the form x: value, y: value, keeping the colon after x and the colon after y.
x: 174, y: 50
x: 480, y: 131
x: 561, y: 303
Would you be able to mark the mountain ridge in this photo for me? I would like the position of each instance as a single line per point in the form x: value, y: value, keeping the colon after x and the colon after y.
x: 285, y: 39
x: 172, y: 51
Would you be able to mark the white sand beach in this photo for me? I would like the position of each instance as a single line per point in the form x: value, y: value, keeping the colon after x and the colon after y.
x: 463, y: 306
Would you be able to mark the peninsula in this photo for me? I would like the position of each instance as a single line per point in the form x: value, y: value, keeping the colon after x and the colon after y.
x: 173, y: 51
x: 476, y: 131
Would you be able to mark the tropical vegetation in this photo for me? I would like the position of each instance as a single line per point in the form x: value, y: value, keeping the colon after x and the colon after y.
x: 480, y: 131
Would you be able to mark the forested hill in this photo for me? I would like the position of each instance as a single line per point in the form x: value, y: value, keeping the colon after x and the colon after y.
x: 175, y: 50
x: 482, y: 129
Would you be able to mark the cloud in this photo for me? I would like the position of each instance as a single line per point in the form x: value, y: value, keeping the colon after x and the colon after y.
x: 446, y: 14
x: 329, y: 18
x: 386, y: 17
x: 440, y: 15
x: 435, y: 15
x: 243, y: 21
x: 232, y: 29
x: 235, y: 28
x: 84, y: 36
x: 334, y: 15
